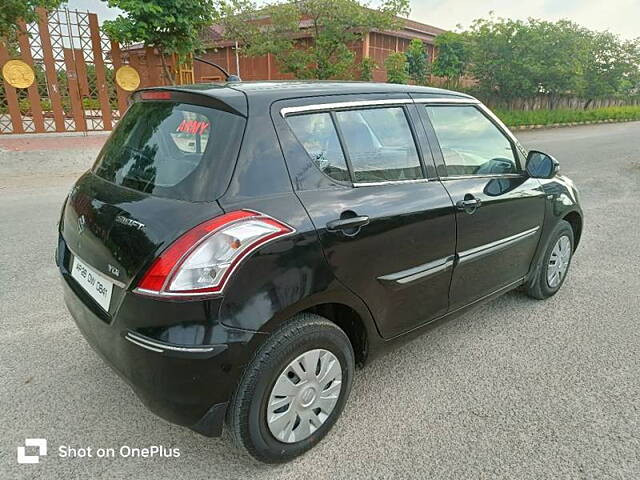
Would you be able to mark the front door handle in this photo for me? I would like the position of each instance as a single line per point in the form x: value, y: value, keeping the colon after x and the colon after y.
x: 352, y: 223
x: 469, y: 205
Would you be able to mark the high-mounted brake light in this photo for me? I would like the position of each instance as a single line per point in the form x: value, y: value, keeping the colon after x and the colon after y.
x: 201, y: 261
x: 155, y: 95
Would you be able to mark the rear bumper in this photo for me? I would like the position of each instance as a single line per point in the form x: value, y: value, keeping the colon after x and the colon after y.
x: 187, y: 383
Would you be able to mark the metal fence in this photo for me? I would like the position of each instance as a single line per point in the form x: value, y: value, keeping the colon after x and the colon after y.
x: 64, y: 74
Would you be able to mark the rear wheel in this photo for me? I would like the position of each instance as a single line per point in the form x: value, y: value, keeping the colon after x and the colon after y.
x: 293, y: 391
x: 555, y: 262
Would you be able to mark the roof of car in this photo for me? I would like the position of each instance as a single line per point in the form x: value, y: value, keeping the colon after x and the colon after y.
x: 289, y: 89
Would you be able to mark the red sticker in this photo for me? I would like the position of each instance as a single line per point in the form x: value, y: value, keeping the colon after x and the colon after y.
x: 192, y: 126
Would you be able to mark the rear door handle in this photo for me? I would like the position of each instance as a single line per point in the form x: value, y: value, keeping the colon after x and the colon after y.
x: 469, y: 205
x: 348, y: 223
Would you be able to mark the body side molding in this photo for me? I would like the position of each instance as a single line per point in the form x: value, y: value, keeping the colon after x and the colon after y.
x: 493, y: 247
x: 420, y: 272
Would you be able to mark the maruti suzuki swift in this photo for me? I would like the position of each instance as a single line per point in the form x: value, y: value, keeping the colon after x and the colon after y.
x: 238, y: 249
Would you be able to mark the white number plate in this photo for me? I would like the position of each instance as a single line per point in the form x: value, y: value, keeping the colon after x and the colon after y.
x: 94, y: 283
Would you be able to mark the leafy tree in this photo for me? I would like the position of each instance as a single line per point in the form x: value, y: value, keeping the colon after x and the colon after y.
x: 559, y: 51
x: 367, y: 66
x: 452, y: 59
x: 171, y: 26
x: 397, y: 68
x: 14, y: 10
x: 334, y: 25
x: 417, y: 62
x: 498, y: 61
x: 515, y: 59
x: 631, y: 84
x: 611, y: 68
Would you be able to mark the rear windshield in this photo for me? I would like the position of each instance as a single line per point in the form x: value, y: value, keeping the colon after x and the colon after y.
x: 170, y: 149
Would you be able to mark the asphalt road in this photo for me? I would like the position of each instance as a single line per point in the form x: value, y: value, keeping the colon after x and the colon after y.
x: 515, y: 389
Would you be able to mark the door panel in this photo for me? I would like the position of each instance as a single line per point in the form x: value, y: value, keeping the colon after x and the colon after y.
x: 400, y: 262
x: 496, y: 241
x: 499, y: 209
x: 391, y: 239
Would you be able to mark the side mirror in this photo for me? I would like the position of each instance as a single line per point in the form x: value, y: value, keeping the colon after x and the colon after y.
x: 541, y: 165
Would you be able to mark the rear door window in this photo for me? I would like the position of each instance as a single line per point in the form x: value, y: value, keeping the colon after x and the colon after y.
x: 169, y: 149
x: 379, y: 145
x: 318, y: 136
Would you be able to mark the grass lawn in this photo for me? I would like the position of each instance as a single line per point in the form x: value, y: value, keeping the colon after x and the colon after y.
x: 517, y: 118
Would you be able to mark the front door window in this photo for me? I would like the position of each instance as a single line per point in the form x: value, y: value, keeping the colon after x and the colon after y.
x: 470, y: 143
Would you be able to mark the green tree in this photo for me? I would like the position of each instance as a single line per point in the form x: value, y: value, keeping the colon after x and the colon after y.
x: 367, y: 66
x: 560, y: 51
x: 515, y: 59
x: 334, y: 27
x: 498, y: 60
x: 611, y: 68
x: 14, y: 10
x: 397, y: 68
x: 171, y: 26
x: 417, y: 62
x: 630, y: 87
x: 452, y: 58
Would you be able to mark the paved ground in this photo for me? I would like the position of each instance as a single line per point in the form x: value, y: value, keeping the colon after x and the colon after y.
x: 515, y: 389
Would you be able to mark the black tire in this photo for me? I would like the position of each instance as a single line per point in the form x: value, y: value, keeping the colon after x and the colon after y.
x: 247, y: 414
x: 539, y: 287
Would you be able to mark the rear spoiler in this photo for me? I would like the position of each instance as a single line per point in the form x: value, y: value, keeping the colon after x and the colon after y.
x: 215, y: 96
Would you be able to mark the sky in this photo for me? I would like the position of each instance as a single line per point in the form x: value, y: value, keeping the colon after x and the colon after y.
x: 618, y: 16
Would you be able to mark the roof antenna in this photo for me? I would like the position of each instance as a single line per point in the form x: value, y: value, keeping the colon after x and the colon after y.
x: 228, y: 76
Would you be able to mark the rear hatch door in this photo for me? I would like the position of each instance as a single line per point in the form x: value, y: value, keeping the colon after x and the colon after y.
x: 157, y: 176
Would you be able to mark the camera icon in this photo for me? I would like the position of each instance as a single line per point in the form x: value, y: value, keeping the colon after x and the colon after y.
x: 41, y: 443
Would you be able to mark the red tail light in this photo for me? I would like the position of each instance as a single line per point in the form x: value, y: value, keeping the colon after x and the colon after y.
x: 202, y: 260
x: 155, y: 95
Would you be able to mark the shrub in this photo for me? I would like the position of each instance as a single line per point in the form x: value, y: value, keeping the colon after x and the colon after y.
x: 367, y: 66
x: 417, y: 62
x: 91, y: 104
x: 516, y: 118
x: 397, y: 68
x: 87, y: 103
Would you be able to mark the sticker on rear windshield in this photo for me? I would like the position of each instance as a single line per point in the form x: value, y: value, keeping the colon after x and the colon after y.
x: 192, y: 126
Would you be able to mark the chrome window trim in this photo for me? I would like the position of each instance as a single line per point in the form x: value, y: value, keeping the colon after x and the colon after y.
x: 339, y: 105
x: 374, y: 103
x: 488, y: 175
x: 389, y: 182
x: 456, y: 100
x: 493, y: 247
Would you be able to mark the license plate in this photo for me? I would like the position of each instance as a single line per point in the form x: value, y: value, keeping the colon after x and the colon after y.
x: 95, y: 284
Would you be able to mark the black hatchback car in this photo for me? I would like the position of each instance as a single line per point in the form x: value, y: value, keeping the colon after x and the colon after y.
x: 236, y: 250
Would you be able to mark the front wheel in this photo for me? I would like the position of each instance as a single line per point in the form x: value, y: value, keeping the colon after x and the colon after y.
x: 555, y: 262
x: 293, y: 391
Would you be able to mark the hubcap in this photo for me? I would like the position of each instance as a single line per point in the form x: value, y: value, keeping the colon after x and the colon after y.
x: 304, y: 395
x: 559, y: 261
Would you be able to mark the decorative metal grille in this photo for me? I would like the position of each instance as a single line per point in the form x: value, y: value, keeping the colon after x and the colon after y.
x: 80, y: 56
